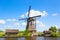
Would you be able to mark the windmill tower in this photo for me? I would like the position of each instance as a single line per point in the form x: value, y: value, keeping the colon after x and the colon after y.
x: 31, y: 22
x: 31, y: 25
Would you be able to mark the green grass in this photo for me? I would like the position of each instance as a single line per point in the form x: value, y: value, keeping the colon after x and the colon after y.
x: 2, y: 34
x: 24, y: 33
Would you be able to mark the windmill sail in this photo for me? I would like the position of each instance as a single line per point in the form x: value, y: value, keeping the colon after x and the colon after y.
x: 29, y: 11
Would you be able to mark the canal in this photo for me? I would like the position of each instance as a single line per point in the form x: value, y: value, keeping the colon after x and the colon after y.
x: 32, y: 38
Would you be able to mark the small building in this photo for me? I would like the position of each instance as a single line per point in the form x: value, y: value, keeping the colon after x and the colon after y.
x: 47, y: 33
x: 11, y: 32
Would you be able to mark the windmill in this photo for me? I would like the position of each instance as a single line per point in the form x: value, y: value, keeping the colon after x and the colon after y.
x: 31, y: 22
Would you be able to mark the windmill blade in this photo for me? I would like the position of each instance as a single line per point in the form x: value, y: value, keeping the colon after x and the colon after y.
x: 29, y: 11
x: 36, y: 16
x: 23, y: 19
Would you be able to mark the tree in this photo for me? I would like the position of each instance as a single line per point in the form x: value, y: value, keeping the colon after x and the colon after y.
x: 53, y: 29
x: 59, y: 31
x: 1, y: 31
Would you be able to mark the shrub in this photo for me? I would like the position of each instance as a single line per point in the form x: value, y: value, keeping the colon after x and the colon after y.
x: 53, y: 34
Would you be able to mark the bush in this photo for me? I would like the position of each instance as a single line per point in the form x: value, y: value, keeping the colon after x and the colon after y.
x: 40, y: 33
x: 53, y: 34
x: 24, y: 33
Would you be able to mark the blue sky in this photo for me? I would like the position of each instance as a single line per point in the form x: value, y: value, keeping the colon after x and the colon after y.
x: 12, y: 10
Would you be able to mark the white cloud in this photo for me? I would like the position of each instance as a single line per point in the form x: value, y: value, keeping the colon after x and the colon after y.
x: 35, y: 13
x: 22, y: 16
x: 2, y: 21
x: 17, y: 24
x: 55, y: 14
x: 40, y: 24
x: 11, y: 20
x: 23, y: 24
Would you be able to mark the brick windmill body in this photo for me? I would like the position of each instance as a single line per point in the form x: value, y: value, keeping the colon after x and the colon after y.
x: 31, y: 23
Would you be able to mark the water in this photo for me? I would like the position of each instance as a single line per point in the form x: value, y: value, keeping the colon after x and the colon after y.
x: 32, y: 38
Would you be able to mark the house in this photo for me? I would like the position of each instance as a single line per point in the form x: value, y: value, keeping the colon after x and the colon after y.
x: 11, y: 32
x: 47, y: 33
